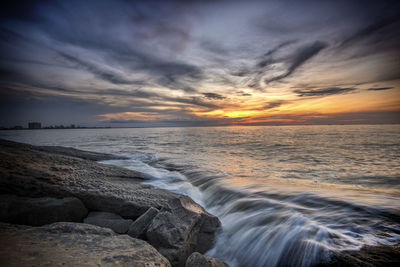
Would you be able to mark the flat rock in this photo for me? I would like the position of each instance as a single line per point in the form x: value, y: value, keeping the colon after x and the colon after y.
x: 69, y: 151
x: 181, y: 228
x: 74, y: 244
x: 109, y: 220
x: 199, y: 260
x: 40, y: 211
x: 139, y: 227
x: 33, y: 171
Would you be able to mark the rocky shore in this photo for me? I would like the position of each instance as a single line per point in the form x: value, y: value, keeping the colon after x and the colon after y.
x: 59, y: 207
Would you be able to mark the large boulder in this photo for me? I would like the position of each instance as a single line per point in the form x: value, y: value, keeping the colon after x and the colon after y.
x: 199, y: 260
x: 139, y: 227
x: 180, y: 228
x: 40, y: 211
x: 108, y: 220
x: 74, y: 244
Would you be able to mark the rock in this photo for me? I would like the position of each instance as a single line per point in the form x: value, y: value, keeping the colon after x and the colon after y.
x: 33, y: 171
x: 180, y: 228
x: 109, y: 220
x: 69, y: 151
x: 40, y: 211
x: 74, y: 244
x: 139, y: 227
x: 199, y: 260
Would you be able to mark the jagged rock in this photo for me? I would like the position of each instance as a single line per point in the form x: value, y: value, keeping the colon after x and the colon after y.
x: 74, y: 244
x: 199, y: 260
x: 40, y: 211
x: 139, y: 227
x: 180, y: 228
x: 109, y: 220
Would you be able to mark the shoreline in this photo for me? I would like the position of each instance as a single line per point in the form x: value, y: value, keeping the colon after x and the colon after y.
x: 59, y: 172
x: 52, y: 191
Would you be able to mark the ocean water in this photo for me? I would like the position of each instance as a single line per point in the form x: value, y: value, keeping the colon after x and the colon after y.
x: 286, y: 196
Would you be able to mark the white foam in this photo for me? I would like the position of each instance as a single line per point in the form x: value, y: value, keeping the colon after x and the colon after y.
x: 270, y: 229
x: 159, y: 177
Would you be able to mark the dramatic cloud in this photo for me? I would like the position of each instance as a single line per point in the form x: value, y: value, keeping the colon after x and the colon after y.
x: 299, y: 58
x: 267, y: 57
x: 323, y: 91
x: 213, y: 96
x: 173, y: 63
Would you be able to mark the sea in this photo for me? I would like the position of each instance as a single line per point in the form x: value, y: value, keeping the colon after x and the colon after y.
x: 286, y: 195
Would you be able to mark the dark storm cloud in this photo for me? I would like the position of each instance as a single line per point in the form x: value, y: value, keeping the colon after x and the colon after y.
x: 324, y: 91
x: 300, y: 57
x: 379, y: 88
x: 213, y: 96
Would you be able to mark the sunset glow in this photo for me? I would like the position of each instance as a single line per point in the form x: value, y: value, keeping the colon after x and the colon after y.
x: 176, y: 64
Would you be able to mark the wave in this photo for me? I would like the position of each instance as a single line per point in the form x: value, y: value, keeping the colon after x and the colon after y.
x: 271, y: 226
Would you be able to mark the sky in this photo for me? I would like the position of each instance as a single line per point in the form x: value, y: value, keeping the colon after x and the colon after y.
x: 199, y: 63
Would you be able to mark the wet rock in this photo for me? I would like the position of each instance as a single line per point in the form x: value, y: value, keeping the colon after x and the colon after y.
x: 40, y: 211
x: 74, y: 244
x: 109, y: 220
x: 199, y: 260
x: 180, y: 228
x: 69, y: 151
x: 139, y: 227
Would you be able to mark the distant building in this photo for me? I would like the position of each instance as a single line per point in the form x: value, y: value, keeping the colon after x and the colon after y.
x: 34, y: 125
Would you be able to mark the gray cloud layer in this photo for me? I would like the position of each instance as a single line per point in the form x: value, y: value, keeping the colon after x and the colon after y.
x: 300, y: 57
x: 140, y: 56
